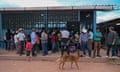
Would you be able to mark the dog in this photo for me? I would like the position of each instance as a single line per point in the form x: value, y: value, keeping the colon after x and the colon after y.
x: 73, y: 58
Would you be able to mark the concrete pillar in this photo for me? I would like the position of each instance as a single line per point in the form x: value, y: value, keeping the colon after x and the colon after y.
x: 79, y: 19
x: 1, y: 34
x: 78, y: 15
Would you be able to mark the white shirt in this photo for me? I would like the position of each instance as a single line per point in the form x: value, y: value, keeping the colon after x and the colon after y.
x: 90, y: 35
x: 15, y: 39
x: 33, y: 37
x: 65, y: 34
x: 21, y: 36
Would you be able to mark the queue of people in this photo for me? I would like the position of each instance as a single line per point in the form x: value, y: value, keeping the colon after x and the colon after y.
x: 64, y: 41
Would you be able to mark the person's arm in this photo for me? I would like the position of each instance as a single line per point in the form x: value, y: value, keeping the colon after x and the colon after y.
x: 80, y: 39
x: 18, y: 38
x: 114, y: 38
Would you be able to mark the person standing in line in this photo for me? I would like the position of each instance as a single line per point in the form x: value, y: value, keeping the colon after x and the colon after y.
x: 12, y: 44
x: 16, y: 42
x: 21, y: 41
x: 84, y: 42
x: 8, y: 38
x: 33, y: 41
x: 44, y: 41
x: 64, y: 41
x: 38, y: 42
x: 97, y: 43
x: 111, y: 42
x: 76, y: 36
x: 54, y: 39
x: 29, y: 47
x: 59, y: 40
x: 90, y: 38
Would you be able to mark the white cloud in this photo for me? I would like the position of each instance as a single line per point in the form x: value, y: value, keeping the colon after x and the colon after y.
x: 33, y: 3
x: 108, y: 16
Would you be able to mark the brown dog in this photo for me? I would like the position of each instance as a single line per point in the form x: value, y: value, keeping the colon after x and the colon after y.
x: 69, y: 58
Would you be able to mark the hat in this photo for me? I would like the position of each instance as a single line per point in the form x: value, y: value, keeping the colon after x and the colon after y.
x: 84, y: 30
x: 16, y: 32
x: 20, y: 29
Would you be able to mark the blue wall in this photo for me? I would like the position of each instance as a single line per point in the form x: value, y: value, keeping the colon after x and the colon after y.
x: 0, y: 26
x: 2, y: 45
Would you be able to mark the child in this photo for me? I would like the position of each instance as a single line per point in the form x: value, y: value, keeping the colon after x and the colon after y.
x: 29, y: 47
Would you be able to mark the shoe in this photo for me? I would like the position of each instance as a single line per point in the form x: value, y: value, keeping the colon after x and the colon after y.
x: 82, y: 56
x: 107, y: 56
x: 114, y: 57
x: 98, y: 56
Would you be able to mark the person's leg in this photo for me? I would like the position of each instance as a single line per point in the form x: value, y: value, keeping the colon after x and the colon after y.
x: 46, y: 49
x: 22, y: 47
x: 56, y: 46
x: 98, y: 49
x: 67, y: 49
x: 33, y: 50
x: 94, y: 50
x: 53, y: 47
x: 42, y: 44
x: 83, y: 48
x: 37, y: 48
x: 114, y: 49
x: 62, y: 50
x: 90, y: 42
x: 89, y: 49
x: 117, y: 50
x: 7, y: 44
x: 16, y: 46
x: 108, y: 50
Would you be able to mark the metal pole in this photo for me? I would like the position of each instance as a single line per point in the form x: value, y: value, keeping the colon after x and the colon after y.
x: 94, y: 21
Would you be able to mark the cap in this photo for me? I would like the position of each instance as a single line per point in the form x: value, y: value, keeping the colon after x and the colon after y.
x: 20, y: 29
x: 84, y: 30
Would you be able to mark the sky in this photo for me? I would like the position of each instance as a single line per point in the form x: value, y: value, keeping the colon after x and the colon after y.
x: 101, y: 16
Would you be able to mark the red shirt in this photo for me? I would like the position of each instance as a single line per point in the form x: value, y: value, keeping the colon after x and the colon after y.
x: 29, y: 46
x: 54, y: 38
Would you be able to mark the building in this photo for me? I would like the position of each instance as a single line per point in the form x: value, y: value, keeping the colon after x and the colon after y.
x: 71, y: 17
x: 115, y: 23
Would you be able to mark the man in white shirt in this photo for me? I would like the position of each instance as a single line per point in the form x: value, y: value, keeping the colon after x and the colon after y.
x: 65, y: 37
x: 16, y: 41
x: 33, y: 41
x: 90, y: 38
x: 21, y: 39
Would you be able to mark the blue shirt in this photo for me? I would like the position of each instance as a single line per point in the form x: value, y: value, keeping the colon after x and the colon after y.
x: 97, y: 34
x: 33, y: 37
x: 84, y: 37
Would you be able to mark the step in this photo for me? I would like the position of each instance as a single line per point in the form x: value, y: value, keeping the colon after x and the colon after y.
x: 54, y: 58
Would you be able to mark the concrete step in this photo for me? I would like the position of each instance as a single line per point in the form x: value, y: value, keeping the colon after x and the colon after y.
x: 54, y: 58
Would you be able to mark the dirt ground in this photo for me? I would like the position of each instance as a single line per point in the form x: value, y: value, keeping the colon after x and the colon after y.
x: 46, y: 66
